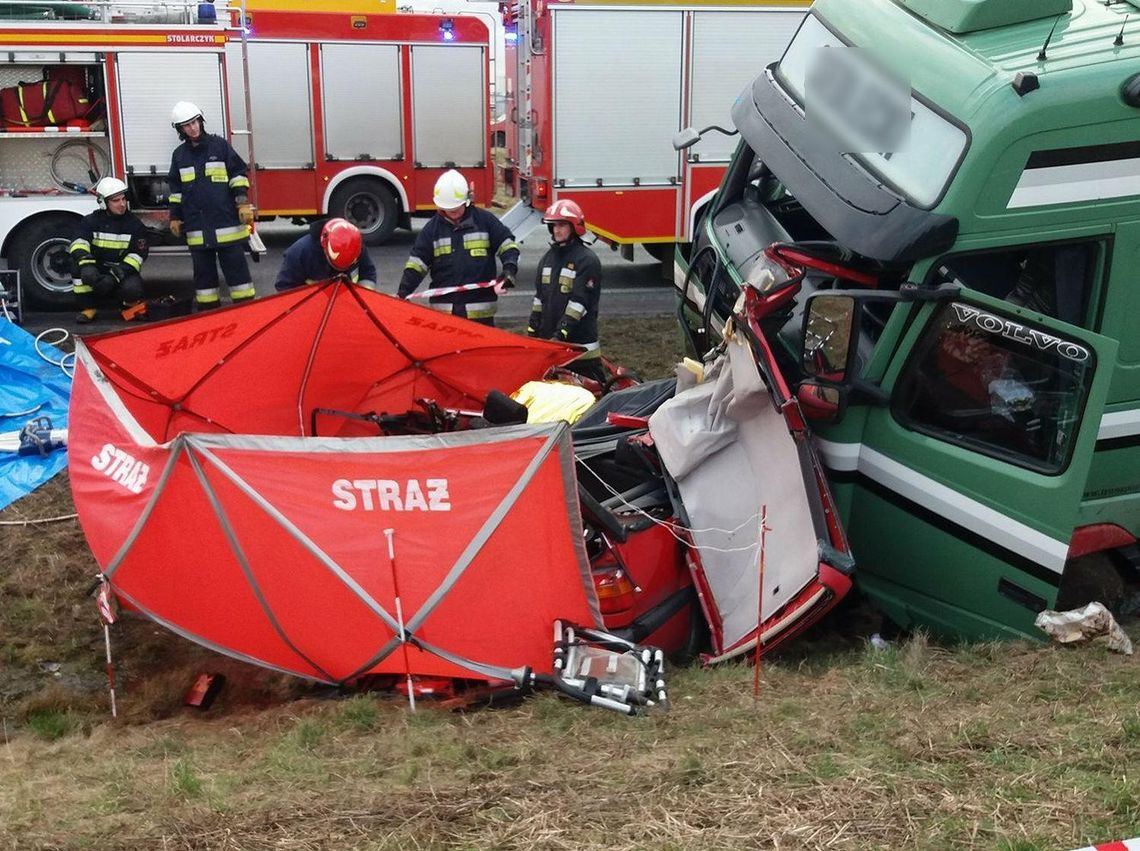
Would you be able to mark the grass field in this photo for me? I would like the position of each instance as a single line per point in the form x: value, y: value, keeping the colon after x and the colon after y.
x: 1004, y: 746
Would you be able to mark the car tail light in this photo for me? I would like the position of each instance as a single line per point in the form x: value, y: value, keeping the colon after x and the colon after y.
x: 615, y: 590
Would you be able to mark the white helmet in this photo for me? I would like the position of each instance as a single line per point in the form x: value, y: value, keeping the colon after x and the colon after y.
x: 451, y: 191
x: 183, y: 111
x: 108, y: 188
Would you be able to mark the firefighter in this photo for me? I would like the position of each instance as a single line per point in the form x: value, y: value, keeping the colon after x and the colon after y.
x: 332, y: 247
x: 107, y: 255
x: 459, y: 245
x: 209, y: 204
x: 568, y: 289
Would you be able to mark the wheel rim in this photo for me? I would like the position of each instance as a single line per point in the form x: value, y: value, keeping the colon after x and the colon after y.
x: 363, y: 210
x: 51, y: 265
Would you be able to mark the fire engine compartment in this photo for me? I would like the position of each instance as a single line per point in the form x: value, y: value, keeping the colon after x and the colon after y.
x: 64, y: 156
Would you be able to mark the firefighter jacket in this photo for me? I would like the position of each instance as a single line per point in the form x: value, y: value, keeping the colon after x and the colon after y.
x: 115, y: 245
x: 462, y: 253
x: 567, y: 294
x: 207, y: 182
x: 305, y: 263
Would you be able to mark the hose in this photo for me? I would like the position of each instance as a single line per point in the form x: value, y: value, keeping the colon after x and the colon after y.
x: 69, y: 161
x: 66, y: 362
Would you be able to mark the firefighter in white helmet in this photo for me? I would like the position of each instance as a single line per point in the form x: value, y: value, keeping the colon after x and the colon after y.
x: 462, y: 244
x: 209, y: 205
x: 107, y: 255
x: 568, y: 289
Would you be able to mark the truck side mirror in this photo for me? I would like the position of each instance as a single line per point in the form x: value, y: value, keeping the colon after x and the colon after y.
x: 830, y: 331
x: 685, y: 138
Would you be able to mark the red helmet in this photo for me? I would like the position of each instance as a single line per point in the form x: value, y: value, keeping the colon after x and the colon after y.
x: 341, y: 243
x: 566, y: 211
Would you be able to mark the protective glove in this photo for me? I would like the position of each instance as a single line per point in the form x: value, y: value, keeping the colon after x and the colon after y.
x: 245, y: 213
x: 116, y: 272
x: 176, y: 228
x: 88, y: 274
x: 506, y: 282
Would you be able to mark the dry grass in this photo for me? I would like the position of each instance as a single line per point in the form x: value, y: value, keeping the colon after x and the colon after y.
x: 1010, y: 746
x: 919, y: 747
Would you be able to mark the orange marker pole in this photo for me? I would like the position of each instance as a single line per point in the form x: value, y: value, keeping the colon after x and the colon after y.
x: 760, y: 605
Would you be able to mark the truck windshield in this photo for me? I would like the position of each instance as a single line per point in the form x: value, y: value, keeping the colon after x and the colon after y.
x: 923, y: 164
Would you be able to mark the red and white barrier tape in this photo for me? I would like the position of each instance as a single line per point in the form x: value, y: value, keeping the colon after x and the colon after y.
x: 459, y: 288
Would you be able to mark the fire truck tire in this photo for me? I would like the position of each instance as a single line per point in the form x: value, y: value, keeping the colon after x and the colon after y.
x: 38, y: 249
x: 370, y: 205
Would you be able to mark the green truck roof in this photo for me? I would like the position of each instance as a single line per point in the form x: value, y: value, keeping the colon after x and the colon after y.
x: 968, y: 77
x: 960, y: 71
x: 964, y: 16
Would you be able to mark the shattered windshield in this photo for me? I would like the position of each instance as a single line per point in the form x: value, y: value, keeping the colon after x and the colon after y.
x: 923, y: 164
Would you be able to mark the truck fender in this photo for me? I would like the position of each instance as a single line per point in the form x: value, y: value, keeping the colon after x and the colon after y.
x: 1097, y: 537
x: 367, y: 171
x: 11, y: 228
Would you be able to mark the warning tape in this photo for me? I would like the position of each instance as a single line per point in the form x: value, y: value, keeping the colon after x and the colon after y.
x: 1122, y: 845
x: 459, y: 288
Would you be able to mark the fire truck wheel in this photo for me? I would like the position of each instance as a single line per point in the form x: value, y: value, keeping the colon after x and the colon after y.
x: 370, y: 205
x: 39, y: 250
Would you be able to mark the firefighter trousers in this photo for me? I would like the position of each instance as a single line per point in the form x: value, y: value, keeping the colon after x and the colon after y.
x: 107, y: 290
x: 235, y: 269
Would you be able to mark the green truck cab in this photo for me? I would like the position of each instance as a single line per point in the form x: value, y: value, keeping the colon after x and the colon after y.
x: 965, y: 331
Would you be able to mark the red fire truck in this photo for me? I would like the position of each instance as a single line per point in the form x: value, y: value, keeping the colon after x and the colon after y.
x: 599, y: 88
x: 337, y: 112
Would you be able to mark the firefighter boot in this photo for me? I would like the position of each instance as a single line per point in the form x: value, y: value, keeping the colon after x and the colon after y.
x: 85, y: 316
x: 206, y: 299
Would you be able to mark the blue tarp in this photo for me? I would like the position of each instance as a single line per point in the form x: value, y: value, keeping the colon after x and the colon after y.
x: 29, y: 387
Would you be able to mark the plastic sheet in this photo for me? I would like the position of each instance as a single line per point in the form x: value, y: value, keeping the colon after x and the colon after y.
x: 1092, y: 621
x: 30, y: 387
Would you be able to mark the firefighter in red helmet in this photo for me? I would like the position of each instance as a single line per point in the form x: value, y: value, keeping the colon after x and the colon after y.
x: 331, y: 248
x: 568, y: 288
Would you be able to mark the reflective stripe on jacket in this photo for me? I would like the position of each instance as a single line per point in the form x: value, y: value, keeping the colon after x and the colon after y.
x: 568, y: 289
x: 207, y: 182
x: 463, y: 253
x: 104, y: 239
